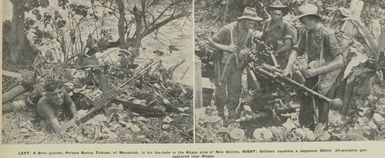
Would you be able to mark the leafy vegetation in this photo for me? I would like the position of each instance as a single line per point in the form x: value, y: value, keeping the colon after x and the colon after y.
x: 91, y: 45
x: 361, y: 88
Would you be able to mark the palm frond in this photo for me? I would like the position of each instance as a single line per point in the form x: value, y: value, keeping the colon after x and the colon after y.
x: 370, y: 42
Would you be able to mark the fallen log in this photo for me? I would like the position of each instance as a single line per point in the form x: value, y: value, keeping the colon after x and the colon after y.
x: 13, y: 93
x: 26, y: 80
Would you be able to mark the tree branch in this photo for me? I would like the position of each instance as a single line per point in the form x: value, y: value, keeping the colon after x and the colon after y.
x: 164, y: 11
x: 144, y: 13
x: 160, y: 24
x: 156, y: 21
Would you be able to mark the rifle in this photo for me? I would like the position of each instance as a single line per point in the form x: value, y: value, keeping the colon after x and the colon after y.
x: 111, y: 94
x: 275, y: 74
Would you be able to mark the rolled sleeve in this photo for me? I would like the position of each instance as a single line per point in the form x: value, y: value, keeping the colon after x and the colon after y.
x: 332, y: 45
x: 290, y: 33
x: 300, y: 47
x: 222, y: 34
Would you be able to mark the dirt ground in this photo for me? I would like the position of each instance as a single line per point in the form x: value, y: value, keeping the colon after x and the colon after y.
x: 22, y: 126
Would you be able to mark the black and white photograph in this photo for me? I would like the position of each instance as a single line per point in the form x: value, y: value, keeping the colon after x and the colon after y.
x: 289, y: 71
x: 192, y: 78
x: 97, y: 71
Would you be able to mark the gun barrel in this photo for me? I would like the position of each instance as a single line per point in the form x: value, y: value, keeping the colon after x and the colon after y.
x: 254, y: 78
x: 265, y: 70
x: 136, y: 75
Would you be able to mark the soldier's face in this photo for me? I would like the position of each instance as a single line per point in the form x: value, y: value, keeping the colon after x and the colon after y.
x: 309, y: 22
x: 56, y: 96
x: 276, y: 14
x: 248, y: 24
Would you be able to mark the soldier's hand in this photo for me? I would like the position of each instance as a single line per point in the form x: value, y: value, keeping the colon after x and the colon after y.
x: 257, y: 34
x: 309, y: 73
x: 232, y: 48
x: 70, y: 123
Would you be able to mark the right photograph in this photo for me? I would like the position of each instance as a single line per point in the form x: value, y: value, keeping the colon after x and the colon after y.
x: 289, y: 71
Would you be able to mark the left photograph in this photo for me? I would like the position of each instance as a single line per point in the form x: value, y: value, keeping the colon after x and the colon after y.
x: 97, y: 71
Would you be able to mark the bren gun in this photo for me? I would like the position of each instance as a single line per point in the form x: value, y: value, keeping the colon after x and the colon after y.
x: 111, y: 95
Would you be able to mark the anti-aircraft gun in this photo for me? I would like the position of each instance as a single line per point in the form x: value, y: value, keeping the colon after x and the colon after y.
x: 279, y: 96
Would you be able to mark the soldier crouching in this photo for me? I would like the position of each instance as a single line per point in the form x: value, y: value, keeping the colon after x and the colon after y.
x: 56, y: 105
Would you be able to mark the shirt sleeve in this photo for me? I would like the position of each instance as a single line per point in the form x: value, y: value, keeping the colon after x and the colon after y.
x: 300, y: 47
x: 290, y: 33
x: 331, y: 44
x: 264, y: 25
x: 221, y: 35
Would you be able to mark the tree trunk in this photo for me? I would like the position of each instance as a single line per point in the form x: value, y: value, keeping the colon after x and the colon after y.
x: 137, y: 41
x: 121, y: 23
x: 17, y: 30
x: 142, y: 29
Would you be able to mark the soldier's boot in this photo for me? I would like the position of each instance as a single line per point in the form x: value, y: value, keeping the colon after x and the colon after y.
x: 232, y: 116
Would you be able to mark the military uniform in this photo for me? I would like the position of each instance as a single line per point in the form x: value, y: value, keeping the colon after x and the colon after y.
x: 275, y: 32
x: 228, y: 85
x: 321, y: 47
x: 275, y: 35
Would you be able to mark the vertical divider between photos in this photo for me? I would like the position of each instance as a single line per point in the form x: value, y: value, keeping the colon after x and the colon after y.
x: 194, y: 70
x: 1, y: 65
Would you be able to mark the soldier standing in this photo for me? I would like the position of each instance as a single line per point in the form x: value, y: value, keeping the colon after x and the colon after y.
x: 230, y: 41
x: 278, y: 33
x: 280, y: 36
x: 325, y: 62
